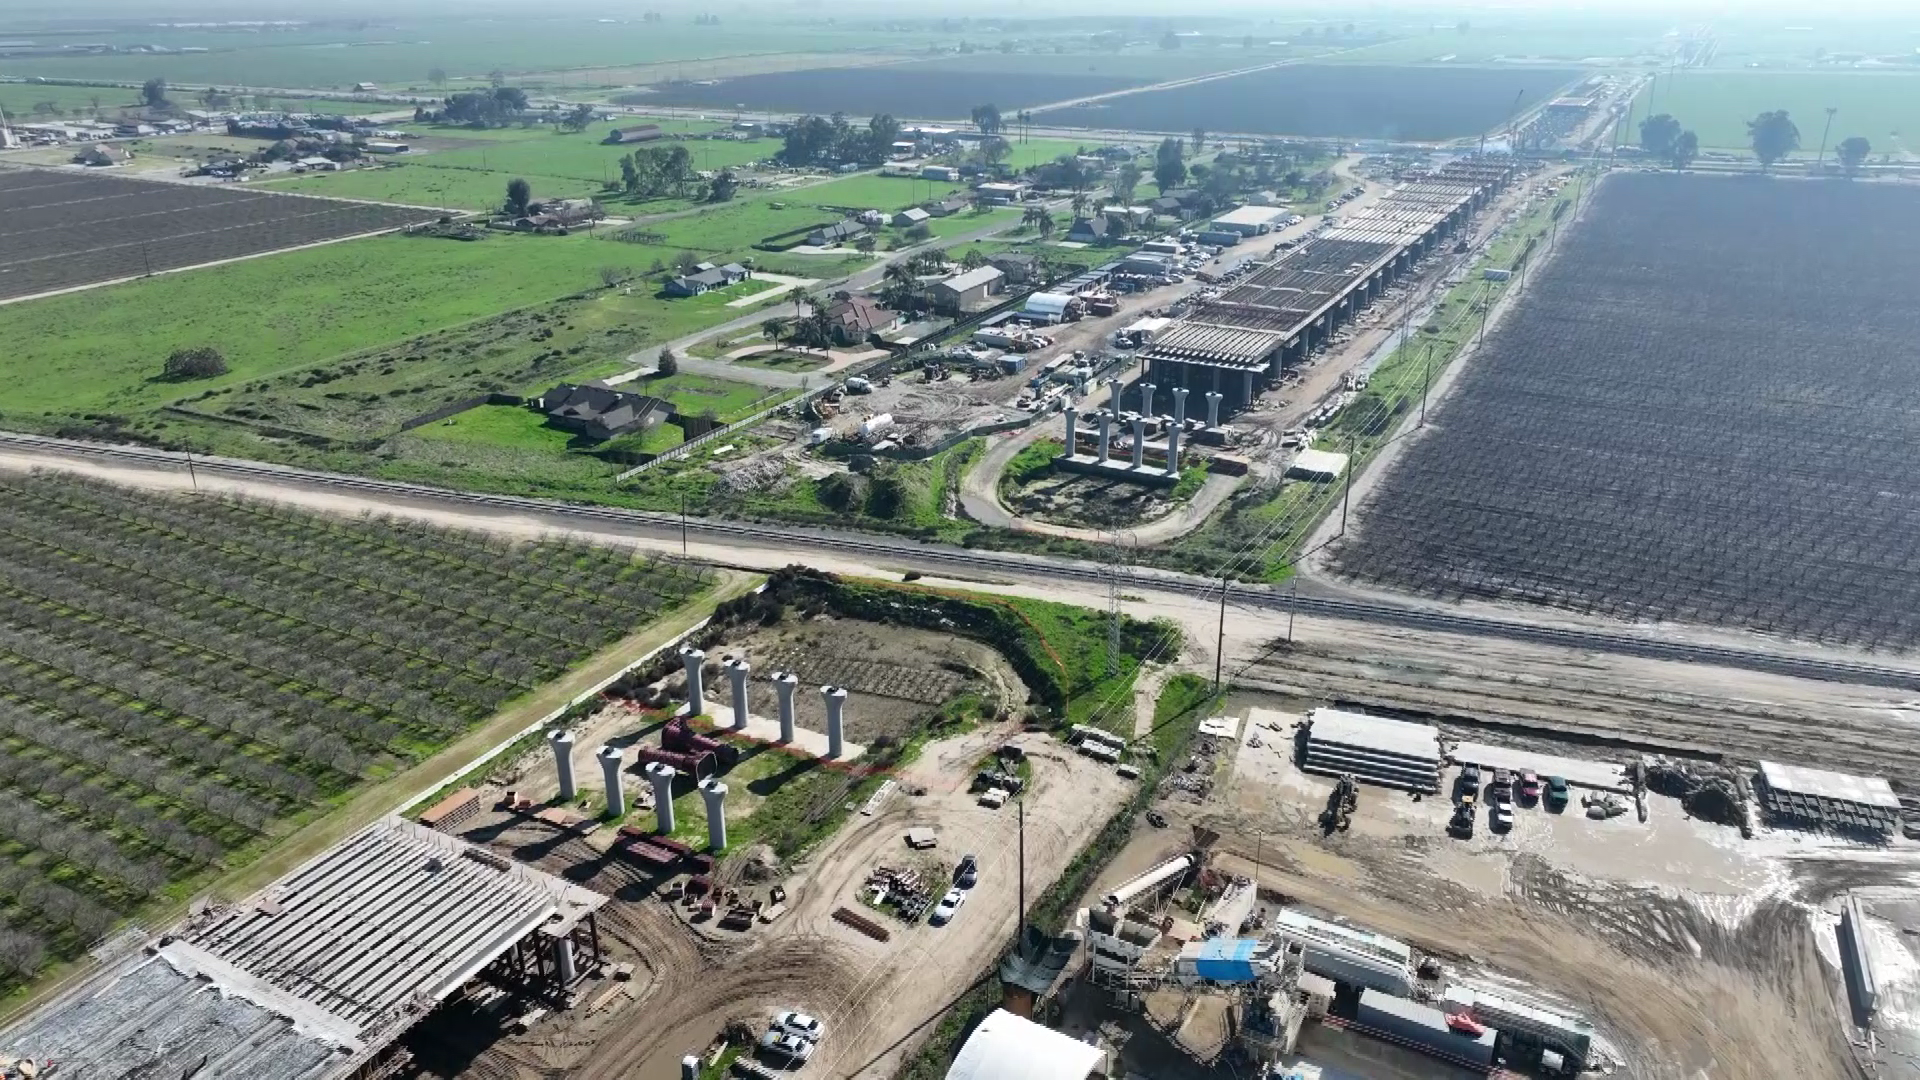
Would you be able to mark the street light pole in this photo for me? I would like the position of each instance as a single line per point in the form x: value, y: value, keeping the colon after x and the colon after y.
x: 1824, y: 132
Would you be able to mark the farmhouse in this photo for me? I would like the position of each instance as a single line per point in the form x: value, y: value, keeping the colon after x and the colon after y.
x: 600, y: 412
x: 967, y: 290
x: 837, y: 233
x: 102, y: 156
x: 707, y: 276
x: 854, y: 319
x: 1019, y: 269
x: 639, y: 134
x: 946, y: 207
x: 1092, y: 230
x: 565, y: 211
x: 910, y: 217
x: 1168, y: 206
x: 386, y: 146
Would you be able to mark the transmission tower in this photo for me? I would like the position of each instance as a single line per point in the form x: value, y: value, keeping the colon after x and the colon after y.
x: 1117, y: 572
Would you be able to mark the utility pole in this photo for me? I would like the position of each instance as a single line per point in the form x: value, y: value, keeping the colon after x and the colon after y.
x: 1220, y: 638
x: 683, y: 526
x: 1020, y: 943
x: 1426, y: 382
x: 1824, y: 132
x: 1346, y: 498
x: 191, y: 475
x: 1293, y: 602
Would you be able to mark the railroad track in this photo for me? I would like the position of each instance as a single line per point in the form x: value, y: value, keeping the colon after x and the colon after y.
x: 1312, y: 598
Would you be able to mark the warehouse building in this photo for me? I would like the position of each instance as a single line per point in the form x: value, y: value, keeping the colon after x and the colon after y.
x: 1009, y: 1047
x: 1251, y: 220
x: 319, y: 975
x: 1240, y: 342
x: 1346, y: 954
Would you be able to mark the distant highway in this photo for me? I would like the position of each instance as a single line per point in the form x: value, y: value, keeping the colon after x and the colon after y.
x: 1310, y: 598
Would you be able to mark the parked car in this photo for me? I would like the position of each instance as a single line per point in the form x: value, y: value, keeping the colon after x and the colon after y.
x: 1500, y: 818
x: 967, y: 874
x: 1470, y: 778
x: 790, y: 1051
x: 1530, y: 786
x: 1502, y: 781
x: 798, y: 1023
x: 1462, y: 823
x: 1557, y: 793
x: 949, y: 905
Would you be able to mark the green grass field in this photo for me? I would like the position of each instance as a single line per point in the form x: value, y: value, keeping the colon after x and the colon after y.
x: 474, y: 175
x: 99, y: 351
x: 21, y: 101
x: 1884, y: 107
x: 698, y: 395
x: 513, y: 426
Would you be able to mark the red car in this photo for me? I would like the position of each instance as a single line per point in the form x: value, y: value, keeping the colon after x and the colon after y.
x: 1529, y: 786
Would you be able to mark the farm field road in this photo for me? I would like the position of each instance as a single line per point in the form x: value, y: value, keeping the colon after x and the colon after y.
x: 1858, y: 716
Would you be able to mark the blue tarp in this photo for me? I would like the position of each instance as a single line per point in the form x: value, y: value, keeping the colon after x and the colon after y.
x: 1226, y: 960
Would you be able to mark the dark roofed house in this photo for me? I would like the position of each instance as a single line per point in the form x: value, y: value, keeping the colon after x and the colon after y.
x: 947, y: 207
x: 838, y: 233
x: 1090, y: 230
x: 707, y: 277
x: 637, y: 134
x: 1167, y: 206
x: 601, y: 412
x: 857, y: 318
x: 1019, y: 268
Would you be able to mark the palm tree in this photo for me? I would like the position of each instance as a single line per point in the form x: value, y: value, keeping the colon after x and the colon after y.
x: 798, y: 295
x: 1033, y: 215
x: 1079, y: 204
x: 773, y: 329
x: 1045, y: 223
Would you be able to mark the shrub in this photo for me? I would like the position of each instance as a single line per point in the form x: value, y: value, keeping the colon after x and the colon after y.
x: 198, y: 363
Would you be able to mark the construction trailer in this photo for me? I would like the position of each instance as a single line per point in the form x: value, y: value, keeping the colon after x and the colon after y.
x: 1424, y: 1028
x: 1347, y: 955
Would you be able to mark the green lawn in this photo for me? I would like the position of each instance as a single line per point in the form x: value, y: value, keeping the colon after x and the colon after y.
x: 785, y: 361
x: 697, y: 395
x: 101, y: 350
x: 1884, y: 107
x: 883, y: 193
x: 499, y: 425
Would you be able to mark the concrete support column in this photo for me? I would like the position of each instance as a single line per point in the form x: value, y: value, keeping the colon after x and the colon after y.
x: 1146, y: 399
x: 737, y: 671
x: 1073, y: 431
x: 715, y: 794
x: 563, y: 960
x: 836, y: 699
x: 1173, y: 450
x: 1179, y: 405
x: 784, y: 683
x: 562, y: 743
x: 1106, y: 433
x: 1139, y: 441
x: 1213, y: 409
x: 662, y: 777
x: 696, y: 696
x: 1248, y: 375
x: 610, y: 768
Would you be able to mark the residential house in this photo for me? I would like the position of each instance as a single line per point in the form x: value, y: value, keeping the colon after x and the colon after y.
x: 1168, y: 206
x: 1019, y: 269
x: 947, y: 207
x: 364, y: 88
x: 565, y: 211
x: 316, y: 164
x: 910, y: 217
x: 601, y: 412
x: 637, y: 134
x: 100, y: 156
x: 1001, y: 194
x: 838, y: 233
x: 1092, y: 230
x: 707, y: 276
x: 967, y: 290
x: 854, y: 319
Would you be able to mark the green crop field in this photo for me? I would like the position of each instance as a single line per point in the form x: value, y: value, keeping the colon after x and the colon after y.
x: 22, y: 100
x: 1884, y: 107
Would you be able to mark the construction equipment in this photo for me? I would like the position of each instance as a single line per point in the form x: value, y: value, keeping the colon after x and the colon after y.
x: 1341, y: 804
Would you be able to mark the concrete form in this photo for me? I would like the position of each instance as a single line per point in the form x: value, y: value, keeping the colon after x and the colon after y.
x: 737, y: 672
x: 661, y: 776
x: 714, y: 793
x: 318, y: 976
x: 696, y: 695
x: 562, y: 744
x: 836, y: 699
x: 784, y: 684
x: 616, y: 793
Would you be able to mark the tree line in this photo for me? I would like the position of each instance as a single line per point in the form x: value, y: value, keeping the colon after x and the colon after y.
x: 1771, y: 136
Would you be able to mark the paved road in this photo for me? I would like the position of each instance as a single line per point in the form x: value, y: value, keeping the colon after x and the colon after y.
x: 993, y: 571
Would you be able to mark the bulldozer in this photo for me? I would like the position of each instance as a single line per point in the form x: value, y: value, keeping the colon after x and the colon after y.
x: 1341, y: 804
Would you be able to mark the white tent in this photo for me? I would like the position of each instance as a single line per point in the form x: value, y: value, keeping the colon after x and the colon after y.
x: 1009, y: 1047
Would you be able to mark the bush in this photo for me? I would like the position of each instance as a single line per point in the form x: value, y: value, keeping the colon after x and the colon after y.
x: 200, y: 363
x: 669, y: 365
